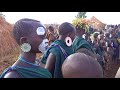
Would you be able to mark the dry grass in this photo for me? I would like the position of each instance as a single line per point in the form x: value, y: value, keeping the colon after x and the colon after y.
x: 7, y: 43
x: 8, y: 47
x: 8, y: 60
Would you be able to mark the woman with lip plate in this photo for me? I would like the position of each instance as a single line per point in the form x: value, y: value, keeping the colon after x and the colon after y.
x: 30, y: 36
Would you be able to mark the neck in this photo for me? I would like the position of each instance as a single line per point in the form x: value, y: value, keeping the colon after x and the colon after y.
x: 79, y: 34
x: 61, y: 38
x: 30, y: 57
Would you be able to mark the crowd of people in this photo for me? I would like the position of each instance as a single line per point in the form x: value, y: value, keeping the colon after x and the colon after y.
x: 106, y: 45
x: 69, y: 52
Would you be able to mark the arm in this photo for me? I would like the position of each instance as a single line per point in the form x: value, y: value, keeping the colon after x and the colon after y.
x: 50, y: 64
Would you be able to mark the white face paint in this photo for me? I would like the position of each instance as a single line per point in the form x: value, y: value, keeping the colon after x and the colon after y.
x: 43, y: 46
x: 40, y: 31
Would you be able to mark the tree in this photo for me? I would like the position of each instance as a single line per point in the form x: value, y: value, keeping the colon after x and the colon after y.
x: 81, y: 15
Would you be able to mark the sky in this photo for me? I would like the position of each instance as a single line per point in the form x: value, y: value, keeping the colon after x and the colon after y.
x: 60, y: 17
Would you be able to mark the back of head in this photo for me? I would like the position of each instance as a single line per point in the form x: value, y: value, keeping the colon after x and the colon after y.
x: 51, y: 28
x: 95, y: 35
x: 65, y: 28
x: 81, y: 29
x: 80, y: 65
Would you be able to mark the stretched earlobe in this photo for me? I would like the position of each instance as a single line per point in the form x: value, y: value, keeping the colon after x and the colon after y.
x: 25, y: 47
x: 68, y: 41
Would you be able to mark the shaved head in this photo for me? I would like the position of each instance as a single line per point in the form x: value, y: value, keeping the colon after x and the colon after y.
x: 25, y: 27
x: 66, y: 28
x: 80, y: 65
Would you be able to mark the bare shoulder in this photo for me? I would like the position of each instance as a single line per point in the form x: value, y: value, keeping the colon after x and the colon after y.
x: 50, y: 62
x: 12, y: 74
x: 86, y: 51
x: 51, y: 58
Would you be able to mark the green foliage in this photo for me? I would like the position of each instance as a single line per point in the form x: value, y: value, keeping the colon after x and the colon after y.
x: 81, y: 23
x: 81, y: 15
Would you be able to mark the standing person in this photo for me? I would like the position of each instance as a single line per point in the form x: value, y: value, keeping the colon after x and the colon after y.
x: 119, y: 40
x: 102, y: 47
x: 50, y: 35
x: 59, y: 50
x: 116, y: 49
x: 88, y: 39
x: 115, y: 45
x: 81, y: 45
x: 96, y: 45
x: 30, y: 36
x: 80, y: 42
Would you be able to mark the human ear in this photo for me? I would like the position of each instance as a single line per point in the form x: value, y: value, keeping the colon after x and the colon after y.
x: 23, y: 40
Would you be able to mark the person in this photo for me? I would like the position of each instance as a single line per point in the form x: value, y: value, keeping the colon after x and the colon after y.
x: 96, y: 44
x: 115, y: 46
x: 81, y: 45
x: 80, y: 65
x: 30, y: 36
x: 59, y: 50
x: 88, y: 38
x: 118, y: 39
x: 50, y: 35
x: 101, y: 49
x: 116, y: 49
x: 80, y: 42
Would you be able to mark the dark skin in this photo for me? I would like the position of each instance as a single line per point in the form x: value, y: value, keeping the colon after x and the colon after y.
x: 79, y: 65
x: 80, y: 32
x: 50, y: 64
x: 87, y: 52
x: 34, y: 40
x: 50, y: 35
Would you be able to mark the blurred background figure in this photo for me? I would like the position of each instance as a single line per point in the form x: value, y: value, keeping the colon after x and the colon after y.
x: 51, y: 35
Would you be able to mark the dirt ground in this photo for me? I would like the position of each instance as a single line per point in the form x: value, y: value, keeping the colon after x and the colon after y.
x: 113, y: 70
